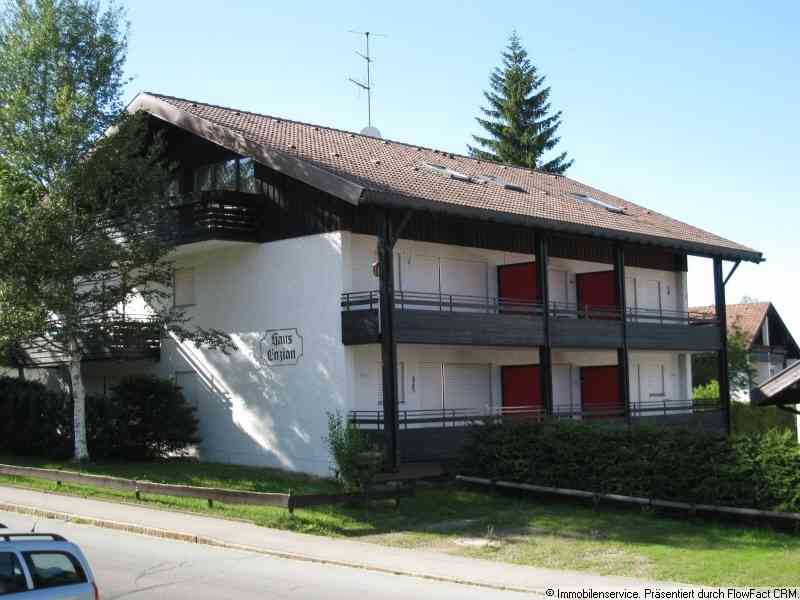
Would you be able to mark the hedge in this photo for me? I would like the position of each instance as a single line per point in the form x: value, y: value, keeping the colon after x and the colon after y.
x: 143, y: 417
x: 755, y: 470
x: 34, y: 420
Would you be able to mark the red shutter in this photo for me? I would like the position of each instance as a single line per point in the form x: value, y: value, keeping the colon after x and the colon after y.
x: 600, y: 392
x: 522, y: 386
x: 597, y: 290
x: 518, y: 283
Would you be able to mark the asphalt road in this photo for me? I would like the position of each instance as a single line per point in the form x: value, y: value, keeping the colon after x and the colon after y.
x: 133, y: 566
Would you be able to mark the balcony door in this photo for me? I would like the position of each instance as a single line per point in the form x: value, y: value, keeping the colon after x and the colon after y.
x: 596, y: 292
x: 517, y: 286
x: 522, y: 386
x: 600, y: 392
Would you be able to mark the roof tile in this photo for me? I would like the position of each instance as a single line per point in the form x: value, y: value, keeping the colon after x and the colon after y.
x: 355, y: 157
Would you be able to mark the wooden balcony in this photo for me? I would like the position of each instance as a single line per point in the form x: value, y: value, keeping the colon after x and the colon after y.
x: 430, y: 318
x: 217, y: 215
x: 111, y: 337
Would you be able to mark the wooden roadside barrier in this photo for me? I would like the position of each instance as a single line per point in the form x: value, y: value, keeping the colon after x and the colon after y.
x: 289, y: 500
x: 784, y: 518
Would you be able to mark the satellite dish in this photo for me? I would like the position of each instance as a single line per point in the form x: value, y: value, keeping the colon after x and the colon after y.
x: 371, y: 132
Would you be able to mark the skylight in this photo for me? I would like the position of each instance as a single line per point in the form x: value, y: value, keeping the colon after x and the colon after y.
x: 480, y: 179
x: 600, y: 203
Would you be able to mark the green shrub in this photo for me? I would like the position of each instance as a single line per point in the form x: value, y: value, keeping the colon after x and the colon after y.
x: 357, y: 462
x: 709, y: 391
x: 143, y: 417
x: 34, y: 420
x: 757, y: 470
x: 760, y: 419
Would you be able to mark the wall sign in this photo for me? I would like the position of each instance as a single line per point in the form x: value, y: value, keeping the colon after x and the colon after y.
x: 279, y: 347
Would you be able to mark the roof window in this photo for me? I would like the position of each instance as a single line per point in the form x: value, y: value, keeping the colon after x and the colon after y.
x: 609, y: 207
x: 480, y: 179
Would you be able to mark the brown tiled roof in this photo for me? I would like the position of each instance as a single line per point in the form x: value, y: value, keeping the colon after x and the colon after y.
x: 392, y: 170
x: 747, y: 317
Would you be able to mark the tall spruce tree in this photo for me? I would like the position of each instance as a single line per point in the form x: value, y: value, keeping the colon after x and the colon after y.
x: 82, y: 208
x: 518, y: 120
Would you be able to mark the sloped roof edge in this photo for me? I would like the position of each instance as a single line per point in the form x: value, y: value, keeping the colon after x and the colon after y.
x: 296, y: 168
x: 781, y: 388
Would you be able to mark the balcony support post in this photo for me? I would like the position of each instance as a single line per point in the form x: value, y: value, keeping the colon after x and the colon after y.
x: 622, y: 352
x: 722, y: 357
x: 386, y: 242
x: 545, y: 353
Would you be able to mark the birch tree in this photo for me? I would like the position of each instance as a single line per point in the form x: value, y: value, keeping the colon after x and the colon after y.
x: 82, y: 207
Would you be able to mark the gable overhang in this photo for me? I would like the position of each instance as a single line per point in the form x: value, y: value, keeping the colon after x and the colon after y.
x: 293, y: 167
x: 782, y: 389
x: 793, y: 348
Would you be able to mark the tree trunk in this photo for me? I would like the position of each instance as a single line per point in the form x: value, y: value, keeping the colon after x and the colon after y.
x: 79, y: 401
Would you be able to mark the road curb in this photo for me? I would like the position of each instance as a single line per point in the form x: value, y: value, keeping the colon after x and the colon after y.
x: 209, y: 541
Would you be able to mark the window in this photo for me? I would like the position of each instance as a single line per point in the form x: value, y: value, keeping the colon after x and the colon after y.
x: 247, y: 177
x: 228, y: 175
x: 236, y: 175
x: 590, y: 200
x: 54, y: 569
x: 183, y: 287
x: 12, y: 579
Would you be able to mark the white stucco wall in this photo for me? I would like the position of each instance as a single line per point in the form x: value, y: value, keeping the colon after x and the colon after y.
x: 251, y: 413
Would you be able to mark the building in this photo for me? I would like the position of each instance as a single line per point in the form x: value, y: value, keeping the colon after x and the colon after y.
x: 411, y: 289
x: 781, y: 390
x: 770, y: 345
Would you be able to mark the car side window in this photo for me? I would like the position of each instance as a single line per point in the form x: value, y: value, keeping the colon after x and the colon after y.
x: 12, y: 579
x: 53, y: 569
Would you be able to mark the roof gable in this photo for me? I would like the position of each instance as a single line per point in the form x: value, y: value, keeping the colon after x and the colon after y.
x: 360, y: 168
x: 748, y: 318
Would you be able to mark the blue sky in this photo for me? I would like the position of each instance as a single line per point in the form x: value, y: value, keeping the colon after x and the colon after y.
x: 688, y: 108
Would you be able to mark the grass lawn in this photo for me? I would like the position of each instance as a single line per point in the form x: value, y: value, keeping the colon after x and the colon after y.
x: 483, y: 523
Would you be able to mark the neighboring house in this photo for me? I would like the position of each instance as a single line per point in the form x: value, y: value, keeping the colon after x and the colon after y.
x: 782, y: 390
x: 413, y: 290
x: 769, y: 342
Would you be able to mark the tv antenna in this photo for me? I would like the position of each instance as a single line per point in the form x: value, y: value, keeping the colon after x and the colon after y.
x: 368, y: 85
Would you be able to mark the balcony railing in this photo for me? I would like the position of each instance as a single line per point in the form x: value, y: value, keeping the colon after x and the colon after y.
x: 441, y: 302
x: 461, y: 417
x: 113, y: 336
x: 217, y: 215
x: 404, y: 300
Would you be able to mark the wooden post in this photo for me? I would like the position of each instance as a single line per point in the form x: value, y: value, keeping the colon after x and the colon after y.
x: 545, y: 354
x: 722, y: 357
x: 386, y: 243
x: 622, y: 352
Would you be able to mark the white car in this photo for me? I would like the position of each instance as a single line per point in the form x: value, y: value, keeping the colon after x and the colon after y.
x: 43, y: 566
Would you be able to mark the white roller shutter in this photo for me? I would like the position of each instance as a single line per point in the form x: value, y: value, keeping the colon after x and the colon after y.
x: 467, y: 386
x: 430, y: 386
x: 377, y: 378
x: 557, y: 283
x: 420, y: 282
x: 562, y: 389
x: 464, y: 277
